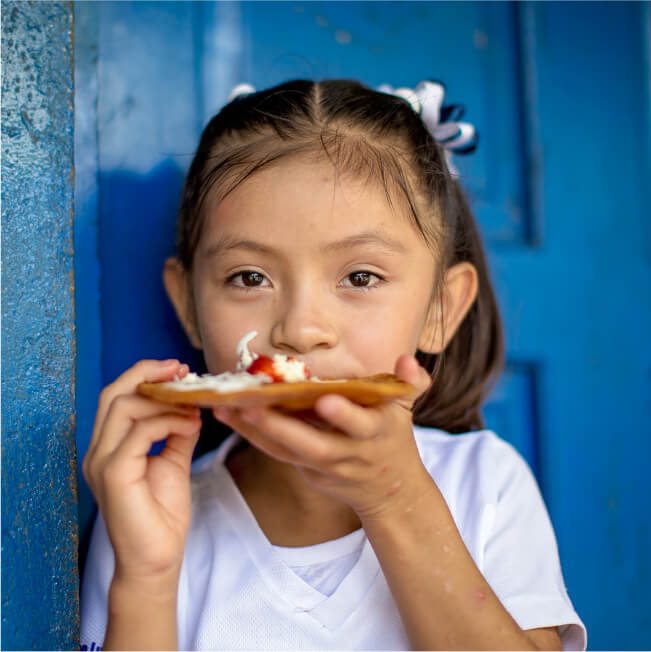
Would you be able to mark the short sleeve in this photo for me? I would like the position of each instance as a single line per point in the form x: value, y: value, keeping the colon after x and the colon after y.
x: 521, y: 560
x: 98, y: 573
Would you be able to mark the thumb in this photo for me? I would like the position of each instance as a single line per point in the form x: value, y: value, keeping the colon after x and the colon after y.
x: 408, y: 369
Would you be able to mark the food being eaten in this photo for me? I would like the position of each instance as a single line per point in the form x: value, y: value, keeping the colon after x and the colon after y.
x: 282, y: 368
x: 281, y: 381
x: 253, y: 370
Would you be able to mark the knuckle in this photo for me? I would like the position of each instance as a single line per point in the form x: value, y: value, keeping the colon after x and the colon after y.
x: 346, y: 469
x: 141, y: 426
x: 92, y: 485
x: 120, y: 404
x: 376, y: 426
x: 84, y: 468
x: 110, y: 472
x: 323, y: 453
x: 143, y: 365
x: 106, y: 395
x: 89, y: 469
x: 120, y: 401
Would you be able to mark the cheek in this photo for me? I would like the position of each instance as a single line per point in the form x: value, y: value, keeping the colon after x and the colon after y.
x: 378, y: 343
x: 222, y: 326
x: 220, y: 332
x: 219, y: 350
x: 388, y: 332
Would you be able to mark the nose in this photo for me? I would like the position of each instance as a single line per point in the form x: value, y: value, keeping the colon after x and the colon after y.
x: 303, y: 324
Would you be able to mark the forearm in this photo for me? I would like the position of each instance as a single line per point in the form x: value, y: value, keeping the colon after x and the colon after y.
x: 443, y: 599
x: 142, y: 616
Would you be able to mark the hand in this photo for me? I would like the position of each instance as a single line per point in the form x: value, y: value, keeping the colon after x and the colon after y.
x: 145, y: 500
x: 364, y: 456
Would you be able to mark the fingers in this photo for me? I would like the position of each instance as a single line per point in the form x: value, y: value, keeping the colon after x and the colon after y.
x: 342, y: 414
x: 120, y: 408
x: 145, y: 371
x: 179, y: 449
x: 364, y: 423
x: 408, y: 369
x: 123, y: 411
x: 146, y: 431
x: 256, y: 436
x: 127, y: 459
x: 286, y: 438
x: 291, y: 439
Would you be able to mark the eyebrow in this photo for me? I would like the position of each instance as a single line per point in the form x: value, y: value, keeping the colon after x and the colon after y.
x: 374, y: 238
x: 229, y: 243
x: 365, y: 238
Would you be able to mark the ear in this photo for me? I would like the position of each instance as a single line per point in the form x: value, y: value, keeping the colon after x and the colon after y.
x: 178, y: 290
x: 459, y: 292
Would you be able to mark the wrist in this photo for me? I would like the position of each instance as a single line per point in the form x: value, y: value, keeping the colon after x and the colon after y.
x: 142, y: 614
x: 404, y: 501
x: 129, y: 588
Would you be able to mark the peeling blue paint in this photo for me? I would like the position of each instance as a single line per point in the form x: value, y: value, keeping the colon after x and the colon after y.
x: 39, y: 490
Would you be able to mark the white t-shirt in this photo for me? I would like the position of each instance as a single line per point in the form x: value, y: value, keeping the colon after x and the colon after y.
x: 325, y: 566
x: 238, y: 591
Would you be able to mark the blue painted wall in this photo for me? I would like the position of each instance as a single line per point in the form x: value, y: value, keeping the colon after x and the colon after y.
x: 39, y: 489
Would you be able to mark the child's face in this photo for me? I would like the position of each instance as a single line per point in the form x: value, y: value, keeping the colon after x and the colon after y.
x: 323, y: 271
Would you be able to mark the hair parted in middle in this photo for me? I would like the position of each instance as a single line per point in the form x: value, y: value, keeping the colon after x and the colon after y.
x: 377, y: 138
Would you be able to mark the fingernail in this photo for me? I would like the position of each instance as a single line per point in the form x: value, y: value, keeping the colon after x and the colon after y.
x: 167, y: 363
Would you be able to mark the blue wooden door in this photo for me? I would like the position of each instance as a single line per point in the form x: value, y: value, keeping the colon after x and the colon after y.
x: 560, y: 95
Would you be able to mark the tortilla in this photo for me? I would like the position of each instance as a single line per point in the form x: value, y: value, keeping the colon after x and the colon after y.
x: 294, y: 396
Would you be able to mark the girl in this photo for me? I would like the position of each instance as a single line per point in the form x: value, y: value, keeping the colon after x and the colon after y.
x: 324, y: 216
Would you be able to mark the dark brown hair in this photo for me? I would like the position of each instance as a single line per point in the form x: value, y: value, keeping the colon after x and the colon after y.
x: 379, y: 138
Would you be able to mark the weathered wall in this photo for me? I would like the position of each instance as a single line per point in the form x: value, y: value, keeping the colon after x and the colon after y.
x: 39, y: 493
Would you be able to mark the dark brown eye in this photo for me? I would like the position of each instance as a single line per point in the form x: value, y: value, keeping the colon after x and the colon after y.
x: 360, y: 279
x: 252, y: 279
x: 247, y: 280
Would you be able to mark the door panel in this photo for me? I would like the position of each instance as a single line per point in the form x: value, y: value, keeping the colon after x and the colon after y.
x: 559, y: 94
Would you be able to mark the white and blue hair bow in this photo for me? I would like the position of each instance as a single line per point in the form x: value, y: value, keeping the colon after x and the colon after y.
x: 240, y: 89
x: 442, y: 121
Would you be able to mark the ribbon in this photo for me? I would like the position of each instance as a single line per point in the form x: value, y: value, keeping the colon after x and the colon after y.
x: 442, y: 121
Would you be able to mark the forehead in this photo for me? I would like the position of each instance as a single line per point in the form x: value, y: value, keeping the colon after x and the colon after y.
x: 307, y: 198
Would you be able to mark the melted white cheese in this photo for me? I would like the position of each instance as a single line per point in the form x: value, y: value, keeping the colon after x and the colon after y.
x: 224, y: 382
x: 245, y: 357
x: 291, y: 370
